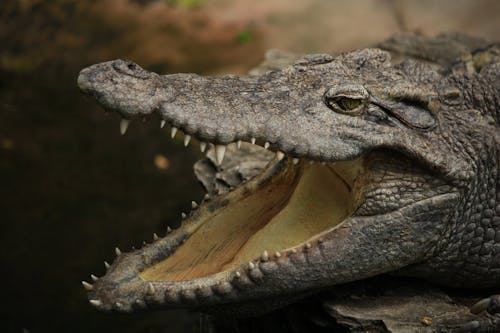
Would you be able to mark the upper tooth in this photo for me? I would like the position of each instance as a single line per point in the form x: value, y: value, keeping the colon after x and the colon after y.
x: 266, y: 145
x: 280, y: 155
x: 220, y: 150
x: 194, y: 204
x: 252, y: 140
x: 124, y: 125
x: 187, y: 138
x: 163, y: 122
x: 203, y: 146
x: 173, y: 131
x: 295, y: 160
x: 238, y: 144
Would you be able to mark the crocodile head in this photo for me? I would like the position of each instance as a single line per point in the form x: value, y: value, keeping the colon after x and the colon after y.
x: 366, y: 178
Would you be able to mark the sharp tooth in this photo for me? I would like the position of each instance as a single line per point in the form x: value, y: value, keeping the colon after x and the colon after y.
x: 151, y: 289
x: 173, y: 131
x: 117, y: 251
x: 194, y: 204
x: 93, y: 277
x: 277, y: 254
x: 162, y: 123
x: 95, y: 302
x: 237, y: 274
x: 187, y: 138
x: 280, y: 155
x: 295, y: 160
x: 87, y: 285
x: 308, y: 245
x: 294, y: 251
x: 155, y: 236
x: 220, y: 150
x: 169, y: 230
x: 266, y: 145
x: 238, y: 144
x: 265, y: 256
x: 252, y: 140
x: 183, y: 215
x: 203, y: 146
x: 107, y: 265
x: 118, y: 304
x: 207, y: 196
x: 124, y: 125
x: 251, y: 265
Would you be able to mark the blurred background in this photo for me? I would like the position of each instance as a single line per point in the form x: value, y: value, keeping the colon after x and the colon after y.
x: 71, y: 188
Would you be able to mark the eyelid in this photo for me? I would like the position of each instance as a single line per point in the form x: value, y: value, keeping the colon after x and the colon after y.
x: 353, y: 91
x: 350, y: 96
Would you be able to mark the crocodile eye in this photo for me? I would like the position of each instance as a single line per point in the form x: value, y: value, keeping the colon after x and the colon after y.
x: 347, y: 99
x: 348, y: 104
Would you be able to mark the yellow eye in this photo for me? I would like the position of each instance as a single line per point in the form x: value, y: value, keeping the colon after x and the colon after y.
x: 350, y: 99
x: 348, y: 104
x: 351, y: 106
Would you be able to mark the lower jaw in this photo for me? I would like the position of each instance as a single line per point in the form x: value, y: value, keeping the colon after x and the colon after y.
x: 279, y: 211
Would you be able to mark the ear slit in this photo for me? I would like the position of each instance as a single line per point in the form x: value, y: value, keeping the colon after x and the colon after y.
x: 413, y: 113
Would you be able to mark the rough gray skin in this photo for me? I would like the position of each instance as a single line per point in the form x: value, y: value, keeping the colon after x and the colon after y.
x: 431, y: 204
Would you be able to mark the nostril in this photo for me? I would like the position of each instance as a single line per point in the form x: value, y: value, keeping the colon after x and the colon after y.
x: 131, y: 66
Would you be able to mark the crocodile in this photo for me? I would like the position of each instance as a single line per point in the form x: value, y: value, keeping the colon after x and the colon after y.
x: 380, y: 160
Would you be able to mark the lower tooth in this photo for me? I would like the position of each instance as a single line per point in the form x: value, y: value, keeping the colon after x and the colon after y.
x: 252, y: 140
x: 295, y: 160
x: 280, y: 155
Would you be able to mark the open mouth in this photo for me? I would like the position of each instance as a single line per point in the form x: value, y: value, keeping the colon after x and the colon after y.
x: 280, y: 213
x: 285, y: 207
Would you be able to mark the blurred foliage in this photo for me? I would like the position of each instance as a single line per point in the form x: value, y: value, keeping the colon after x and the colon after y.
x: 244, y: 36
x: 185, y: 3
x: 161, y: 35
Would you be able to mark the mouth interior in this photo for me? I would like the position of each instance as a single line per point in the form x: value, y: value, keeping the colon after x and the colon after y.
x: 266, y: 214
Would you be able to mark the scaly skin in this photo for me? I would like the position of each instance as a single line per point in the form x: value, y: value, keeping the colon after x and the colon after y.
x: 430, y: 199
